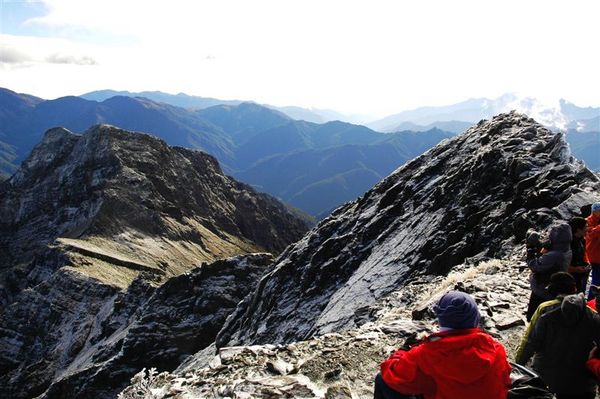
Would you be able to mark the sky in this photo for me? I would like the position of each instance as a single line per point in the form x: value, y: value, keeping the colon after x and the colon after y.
x: 373, y: 57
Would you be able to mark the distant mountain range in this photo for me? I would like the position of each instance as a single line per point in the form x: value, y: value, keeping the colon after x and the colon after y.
x: 179, y: 100
x: 582, y: 124
x: 325, y: 164
x: 452, y: 118
x: 563, y: 115
x: 186, y: 101
x: 449, y: 126
x: 314, y: 177
x: 333, y: 162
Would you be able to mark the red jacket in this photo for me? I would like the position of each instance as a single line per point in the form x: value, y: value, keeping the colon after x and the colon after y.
x: 465, y: 364
x: 593, y: 365
x: 592, y: 239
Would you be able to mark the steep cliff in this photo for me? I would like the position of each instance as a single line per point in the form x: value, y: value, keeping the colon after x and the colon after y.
x: 470, y: 198
x: 89, y: 226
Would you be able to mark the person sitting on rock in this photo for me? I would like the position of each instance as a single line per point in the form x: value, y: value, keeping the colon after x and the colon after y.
x: 543, y: 262
x: 561, y: 342
x: 579, y: 267
x: 459, y: 361
x: 561, y: 285
x: 592, y: 244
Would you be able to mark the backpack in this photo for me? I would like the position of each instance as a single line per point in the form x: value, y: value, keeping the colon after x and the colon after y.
x: 527, y: 385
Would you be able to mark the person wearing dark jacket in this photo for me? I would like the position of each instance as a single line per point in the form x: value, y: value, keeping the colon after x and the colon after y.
x: 561, y: 285
x: 561, y: 340
x: 543, y: 263
x: 579, y: 268
x: 460, y: 361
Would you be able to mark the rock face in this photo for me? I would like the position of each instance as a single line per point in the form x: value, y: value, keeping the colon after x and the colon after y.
x: 472, y: 197
x: 89, y: 227
x: 71, y: 337
x: 343, y: 365
x: 131, y: 201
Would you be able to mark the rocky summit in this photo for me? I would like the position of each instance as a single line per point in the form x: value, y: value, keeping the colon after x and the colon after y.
x: 470, y: 198
x: 90, y: 226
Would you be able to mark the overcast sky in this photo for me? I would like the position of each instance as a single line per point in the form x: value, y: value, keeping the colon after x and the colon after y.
x: 369, y: 57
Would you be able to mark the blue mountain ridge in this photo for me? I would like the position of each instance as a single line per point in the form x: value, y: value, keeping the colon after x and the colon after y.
x: 313, y: 166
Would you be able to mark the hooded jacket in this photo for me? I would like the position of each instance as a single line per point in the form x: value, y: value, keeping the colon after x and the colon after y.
x: 466, y: 364
x: 562, y: 339
x: 557, y: 259
x: 592, y: 238
x: 525, y: 350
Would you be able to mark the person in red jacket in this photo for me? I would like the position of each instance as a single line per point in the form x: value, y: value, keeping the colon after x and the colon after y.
x: 459, y: 361
x: 593, y: 362
x: 592, y: 244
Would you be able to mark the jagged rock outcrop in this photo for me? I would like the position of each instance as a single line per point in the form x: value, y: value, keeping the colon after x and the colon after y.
x: 89, y: 227
x: 88, y: 339
x: 343, y: 365
x: 473, y: 196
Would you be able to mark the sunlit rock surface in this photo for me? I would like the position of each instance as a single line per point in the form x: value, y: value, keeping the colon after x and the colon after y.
x: 471, y: 197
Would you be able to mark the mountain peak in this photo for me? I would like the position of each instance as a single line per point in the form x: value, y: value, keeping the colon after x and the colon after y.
x: 470, y: 197
x: 113, y: 181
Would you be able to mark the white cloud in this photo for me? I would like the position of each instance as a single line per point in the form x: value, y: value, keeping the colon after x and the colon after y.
x: 20, y: 51
x: 13, y: 56
x: 57, y: 58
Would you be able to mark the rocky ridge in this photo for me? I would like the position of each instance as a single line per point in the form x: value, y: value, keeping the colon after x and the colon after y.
x: 472, y: 198
x: 90, y: 226
x: 343, y: 365
x: 130, y: 201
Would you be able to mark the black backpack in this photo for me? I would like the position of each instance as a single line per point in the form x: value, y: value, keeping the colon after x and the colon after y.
x: 527, y: 385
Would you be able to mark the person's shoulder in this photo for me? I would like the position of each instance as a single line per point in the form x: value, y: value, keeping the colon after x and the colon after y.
x: 550, y: 313
x: 485, y: 340
x: 484, y: 335
x: 548, y: 305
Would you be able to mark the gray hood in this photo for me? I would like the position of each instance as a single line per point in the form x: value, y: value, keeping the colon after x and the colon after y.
x: 573, y: 308
x: 560, y: 237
